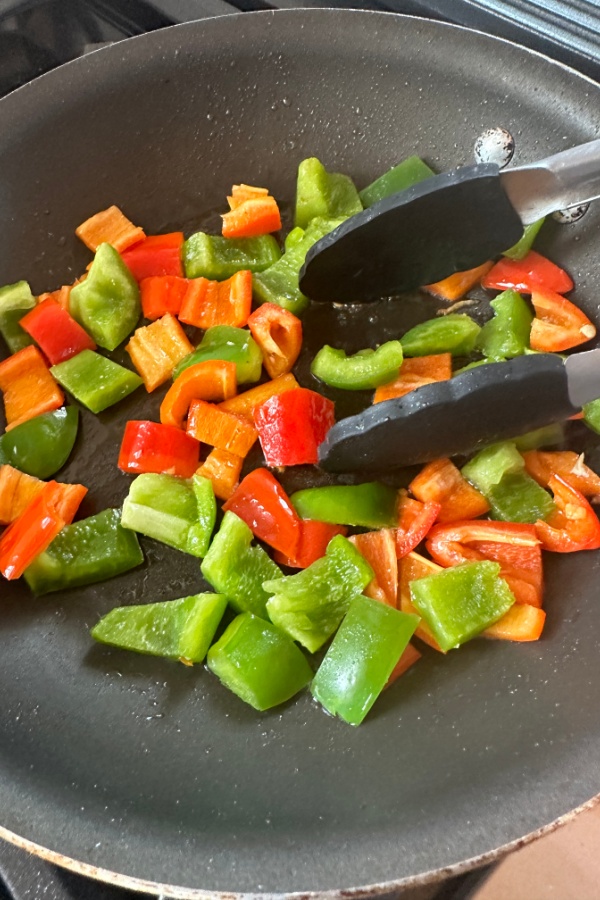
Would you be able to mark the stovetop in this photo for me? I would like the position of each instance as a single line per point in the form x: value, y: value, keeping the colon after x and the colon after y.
x: 38, y: 35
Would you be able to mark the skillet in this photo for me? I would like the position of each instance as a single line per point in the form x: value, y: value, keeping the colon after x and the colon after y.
x: 148, y: 774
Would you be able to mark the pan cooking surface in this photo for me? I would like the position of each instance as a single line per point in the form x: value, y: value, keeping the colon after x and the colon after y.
x: 150, y: 769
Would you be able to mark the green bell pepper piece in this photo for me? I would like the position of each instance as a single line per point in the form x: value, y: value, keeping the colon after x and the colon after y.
x: 361, y: 658
x: 547, y: 436
x: 591, y: 415
x: 364, y: 371
x: 232, y: 344
x: 15, y: 301
x: 498, y: 472
x: 506, y: 335
x: 461, y: 602
x: 370, y: 505
x: 410, y: 171
x: 294, y: 237
x: 175, y: 511
x: 94, y: 380
x: 42, y: 445
x: 88, y: 551
x: 455, y: 333
x: 524, y: 244
x: 234, y: 568
x: 258, y: 663
x: 323, y: 194
x: 107, y: 303
x: 217, y: 258
x: 279, y: 283
x: 176, y: 629
x: 309, y: 606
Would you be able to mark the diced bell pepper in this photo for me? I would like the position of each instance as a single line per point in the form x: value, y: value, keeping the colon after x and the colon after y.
x: 107, y: 303
x: 151, y: 447
x: 459, y: 603
x: 363, y: 371
x: 176, y: 629
x: 361, y: 658
x: 217, y: 258
x: 292, y: 425
x: 235, y: 568
x: 323, y: 194
x: 28, y: 388
x: 408, y: 172
x: 57, y: 334
x: 259, y: 663
x: 159, y: 254
x: 506, y: 335
x: 88, y: 551
x: 172, y: 510
x: 455, y: 333
x: 263, y: 505
x: 95, y: 381
x: 229, y: 344
x: 156, y: 349
x: 15, y: 301
x: 278, y: 333
x: 310, y: 605
x: 41, y: 446
x: 370, y: 505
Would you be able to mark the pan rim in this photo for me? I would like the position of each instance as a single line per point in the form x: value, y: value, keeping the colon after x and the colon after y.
x: 179, y: 892
x: 133, y: 883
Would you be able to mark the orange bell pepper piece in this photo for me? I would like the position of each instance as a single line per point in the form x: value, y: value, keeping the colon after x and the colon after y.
x: 244, y: 404
x: 213, y: 379
x: 161, y: 294
x: 28, y: 387
x: 456, y: 286
x: 207, y: 303
x: 223, y: 469
x: 278, y: 333
x: 443, y: 483
x: 558, y: 324
x: 211, y: 425
x: 379, y: 550
x: 410, y: 568
x: 253, y: 217
x: 543, y: 464
x: 31, y: 533
x: 109, y: 226
x: 18, y: 489
x: 61, y: 296
x: 156, y: 349
x: 414, y: 373
x: 521, y: 623
x: 242, y: 192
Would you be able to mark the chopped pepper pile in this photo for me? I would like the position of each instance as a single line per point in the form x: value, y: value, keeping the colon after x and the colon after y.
x: 353, y: 572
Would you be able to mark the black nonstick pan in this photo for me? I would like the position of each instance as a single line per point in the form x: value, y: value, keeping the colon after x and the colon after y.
x: 149, y: 774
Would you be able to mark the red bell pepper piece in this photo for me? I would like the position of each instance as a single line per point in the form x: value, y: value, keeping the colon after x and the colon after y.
x: 415, y: 520
x: 292, y: 425
x: 542, y: 464
x: 151, y: 447
x: 55, y: 332
x: 162, y: 294
x: 158, y: 254
x: 314, y: 539
x: 32, y: 532
x: 379, y: 550
x: 264, y: 506
x: 443, y: 483
x: 515, y: 547
x: 559, y: 324
x: 574, y: 526
x: 533, y: 272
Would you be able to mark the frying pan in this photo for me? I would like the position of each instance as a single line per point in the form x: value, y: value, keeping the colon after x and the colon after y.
x: 149, y: 774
